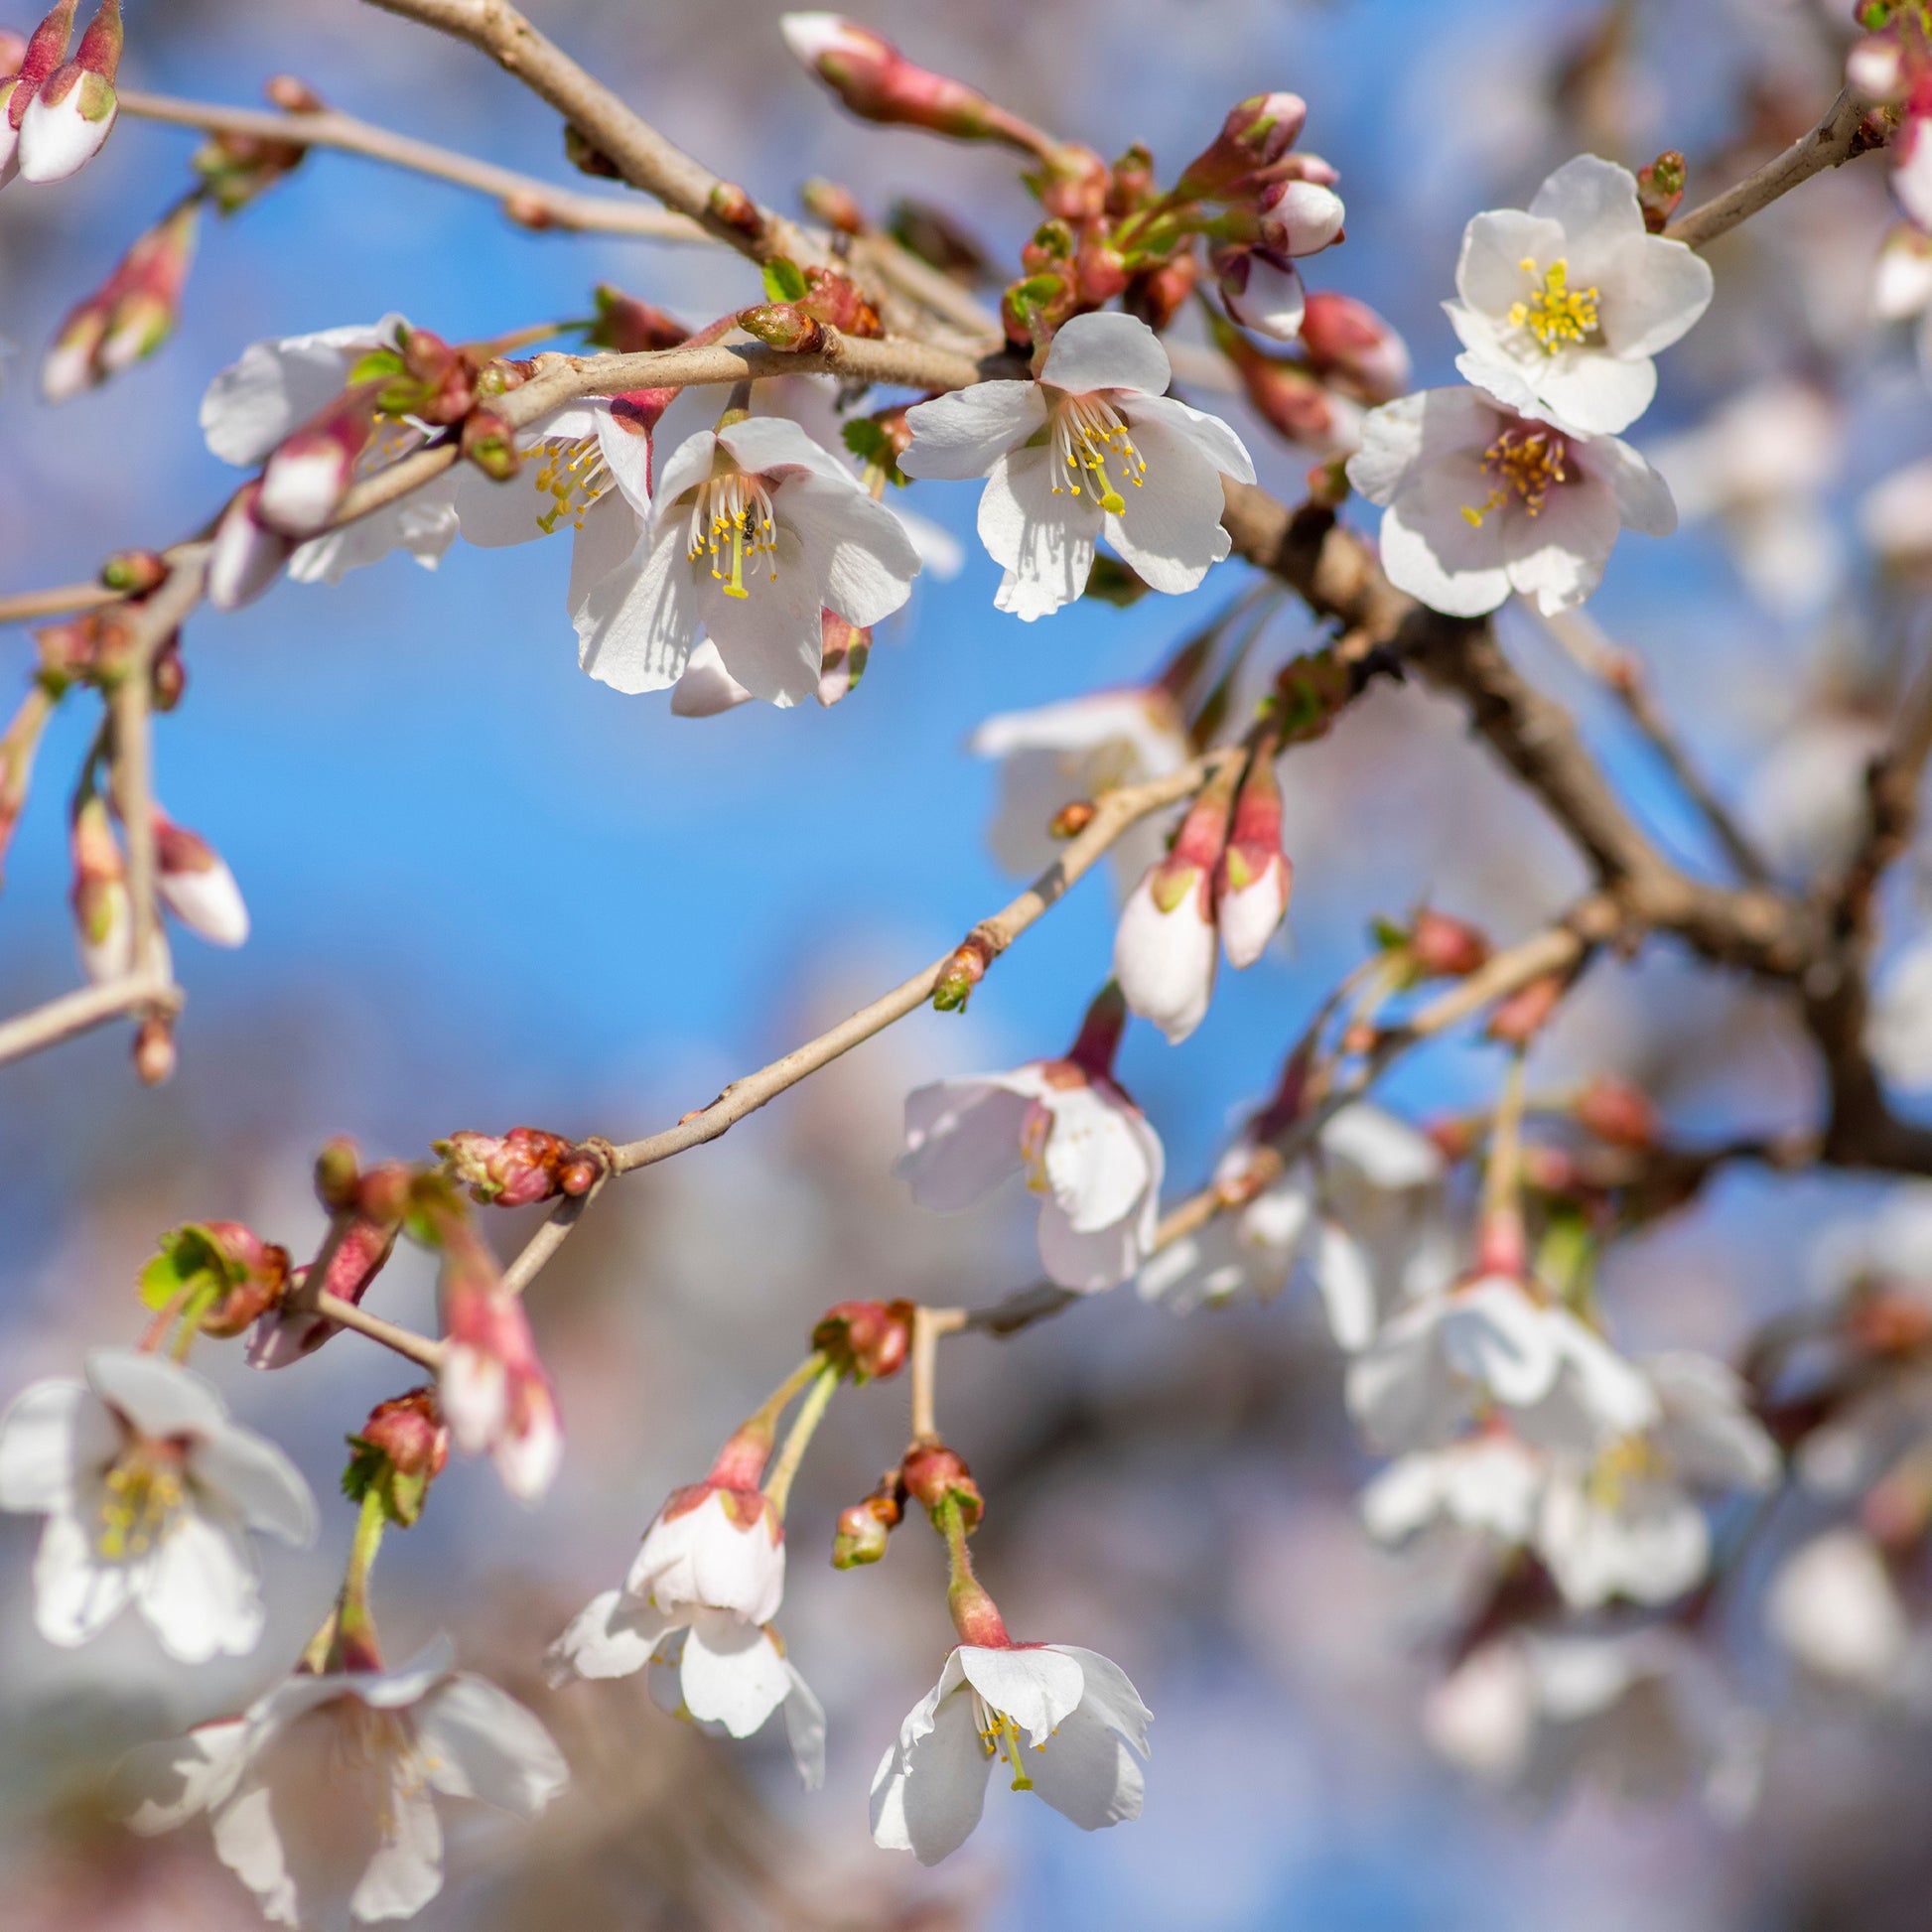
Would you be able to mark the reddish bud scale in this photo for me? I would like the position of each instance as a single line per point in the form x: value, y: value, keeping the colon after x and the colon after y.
x: 523, y: 1165
x: 961, y: 973
x: 1093, y: 1051
x: 1158, y: 295
x: 933, y: 1474
x: 410, y: 1431
x: 154, y: 1050
x: 1618, y: 1112
x: 1099, y: 272
x: 629, y: 326
x: 730, y: 205
x: 1660, y: 188
x: 1257, y: 133
x: 1131, y: 185
x: 1456, y: 1137
x: 1446, y: 948
x: 1072, y: 819
x: 1889, y: 1325
x: 865, y: 1340
x: 1347, y: 338
x: 836, y: 206
x: 46, y: 49
x: 1517, y: 1020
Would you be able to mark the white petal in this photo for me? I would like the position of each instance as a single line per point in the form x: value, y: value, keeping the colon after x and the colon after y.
x: 612, y: 1636
x: 1209, y: 433
x: 248, y: 1842
x: 861, y: 559
x: 687, y: 466
x: 249, y: 1473
x: 157, y: 1396
x: 1595, y: 201
x: 407, y: 1869
x: 636, y: 629
x: 199, y: 1591
x: 625, y: 446
x: 1653, y: 290
x: 1097, y: 1159
x: 1087, y: 1774
x: 763, y: 444
x: 59, y: 139
x: 1341, y: 1272
x: 1643, y: 499
x: 159, y: 1786
x: 930, y: 1787
x: 962, y: 1140
x: 479, y: 1743
x: 770, y: 640
x: 964, y: 433
x: 1559, y: 559
x: 1169, y: 530
x: 603, y: 545
x: 706, y: 688
x: 75, y: 1596
x: 1107, y: 352
x: 1388, y: 1152
x: 805, y: 1731
x: 1109, y: 1695
x: 50, y: 1433
x: 1044, y: 542
x: 1392, y: 440
x: 1411, y: 562
x: 1038, y: 1685
x: 277, y: 385
x: 731, y: 1673
x: 1489, y: 273
x: 1588, y: 391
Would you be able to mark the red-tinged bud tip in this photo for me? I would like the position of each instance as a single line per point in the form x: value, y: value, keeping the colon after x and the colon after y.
x: 1072, y: 819
x: 1347, y: 339
x: 866, y: 1341
x: 384, y: 1195
x: 729, y: 204
x: 154, y: 1050
x: 628, y: 327
x: 932, y: 1473
x: 294, y: 97
x: 488, y: 442
x: 785, y: 326
x: 1517, y: 1020
x: 861, y: 1538
x: 1098, y: 1041
x: 836, y: 206
x: 523, y: 1165
x: 1660, y: 188
x: 1444, y: 947
x: 1618, y: 1112
x: 337, y: 1172
x: 410, y: 1431
x: 960, y: 974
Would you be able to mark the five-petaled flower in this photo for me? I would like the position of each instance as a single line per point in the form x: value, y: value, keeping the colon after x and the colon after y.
x: 697, y: 1605
x: 322, y: 1794
x: 1065, y: 1721
x: 1480, y: 500
x: 148, y: 1488
x: 753, y: 532
x: 1562, y: 308
x: 1094, y: 448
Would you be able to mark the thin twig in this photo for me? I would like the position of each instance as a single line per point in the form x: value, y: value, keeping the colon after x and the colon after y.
x: 1831, y: 143
x: 81, y: 1010
x: 405, y: 1341
x: 929, y: 1324
x: 555, y: 208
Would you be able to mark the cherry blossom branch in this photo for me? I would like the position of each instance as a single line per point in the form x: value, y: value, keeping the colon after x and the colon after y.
x: 1832, y: 142
x: 530, y: 202
x: 642, y: 155
x: 405, y: 1341
x: 929, y: 1324
x: 83, y: 1010
x: 1621, y: 674
x: 1114, y: 812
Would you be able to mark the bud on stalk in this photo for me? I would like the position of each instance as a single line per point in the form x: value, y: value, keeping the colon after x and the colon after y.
x: 865, y: 1340
x: 1252, y: 885
x: 1158, y: 295
x: 628, y: 327
x: 835, y: 205
x: 309, y: 470
x: 1262, y: 292
x: 876, y: 81
x: 1257, y: 133
x: 18, y: 748
x: 103, y: 915
x: 1347, y: 339
x: 1286, y: 397
x: 73, y: 111
x: 1616, y: 1111
x: 46, y: 49
x: 247, y: 556
x: 1660, y: 188
x: 1164, y: 946
x: 132, y: 315
x: 1442, y: 947
x: 196, y: 885
x: 1299, y: 217
x: 523, y: 1165
x: 154, y: 1050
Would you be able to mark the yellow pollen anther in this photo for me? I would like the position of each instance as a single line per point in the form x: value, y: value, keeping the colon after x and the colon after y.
x: 1628, y: 1459
x: 573, y: 476
x: 1527, y: 462
x: 143, y: 1499
x: 1088, y: 433
x: 1000, y: 1733
x: 1555, y: 312
x: 731, y: 516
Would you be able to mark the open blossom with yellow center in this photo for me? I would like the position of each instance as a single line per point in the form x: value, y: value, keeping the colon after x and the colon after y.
x: 1481, y: 501
x: 1094, y: 448
x: 381, y: 1743
x: 1061, y: 1722
x: 754, y: 532
x: 147, y: 1489
x: 1561, y: 307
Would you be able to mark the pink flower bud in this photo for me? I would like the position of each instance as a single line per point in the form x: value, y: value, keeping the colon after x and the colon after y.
x: 866, y: 1341
x: 932, y: 1473
x: 1618, y: 1112
x: 1299, y: 217
x: 1164, y: 946
x: 1256, y: 135
x: 1252, y: 885
x: 1446, y: 947
x: 13, y: 50
x: 103, y: 916
x: 247, y: 556
x: 309, y: 470
x: 878, y: 84
x: 523, y: 1165
x: 197, y: 885
x: 72, y: 360
x: 1348, y: 338
x: 1875, y: 68
x: 494, y: 1387
x: 73, y: 111
x: 1262, y: 292
x: 410, y: 1431
x: 46, y: 49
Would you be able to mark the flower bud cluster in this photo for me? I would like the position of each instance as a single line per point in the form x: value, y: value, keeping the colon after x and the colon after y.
x: 804, y: 304
x: 56, y: 112
x: 130, y: 314
x: 523, y: 1165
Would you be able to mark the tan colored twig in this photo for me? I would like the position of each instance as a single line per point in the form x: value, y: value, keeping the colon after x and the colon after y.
x: 81, y: 1010
x: 1831, y: 143
x: 405, y: 1341
x: 554, y: 207
x: 929, y: 1324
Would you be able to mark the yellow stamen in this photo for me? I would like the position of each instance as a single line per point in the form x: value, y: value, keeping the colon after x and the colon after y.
x: 999, y: 1733
x: 732, y: 514
x: 1630, y: 1458
x: 573, y: 476
x: 1554, y: 314
x: 143, y: 1500
x: 1088, y: 433
x: 1528, y: 461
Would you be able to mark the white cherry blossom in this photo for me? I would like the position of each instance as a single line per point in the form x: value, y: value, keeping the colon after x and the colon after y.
x: 1898, y: 1023
x: 1834, y: 1607
x: 1443, y: 1361
x: 1624, y: 1523
x: 1095, y: 448
x: 322, y: 1794
x: 1902, y: 285
x: 1487, y: 1481
x: 697, y: 1605
x: 754, y: 531
x: 149, y: 1489
x: 1352, y: 1211
x: 1077, y: 749
x: 1084, y: 1147
x: 275, y: 387
x: 1560, y: 309
x: 1480, y: 500
x: 1065, y: 1721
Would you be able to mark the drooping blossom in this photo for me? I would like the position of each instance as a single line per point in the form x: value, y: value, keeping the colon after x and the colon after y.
x: 1095, y: 448
x: 322, y: 1794
x: 1490, y: 1480
x: 1084, y: 1147
x: 1624, y: 1522
x: 1442, y: 1363
x: 1643, y: 1717
x: 697, y: 1606
x: 1480, y: 500
x: 1358, y: 1210
x: 1055, y: 753
x: 255, y: 403
x: 1065, y: 1721
x: 148, y: 1488
x: 1167, y: 942
x: 1560, y: 309
x: 494, y: 1387
x: 753, y: 532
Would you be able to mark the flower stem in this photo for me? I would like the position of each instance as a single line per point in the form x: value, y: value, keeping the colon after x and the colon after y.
x: 778, y: 1485
x: 929, y: 1324
x: 355, y: 1646
x: 975, y: 1615
x: 1500, y: 1244
x: 741, y: 1462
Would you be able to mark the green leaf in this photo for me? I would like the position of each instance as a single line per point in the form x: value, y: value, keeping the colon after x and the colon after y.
x: 189, y: 1272
x: 784, y: 280
x: 382, y: 363
x: 868, y: 442
x: 1566, y: 1257
x: 1386, y: 934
